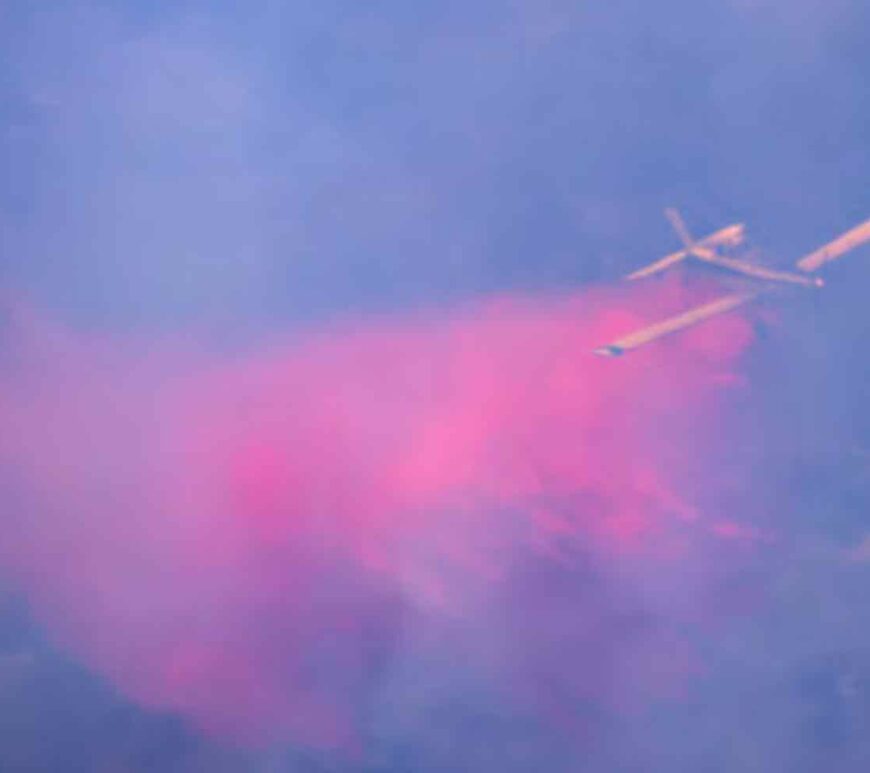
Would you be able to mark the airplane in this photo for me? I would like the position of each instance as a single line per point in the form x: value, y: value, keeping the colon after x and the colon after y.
x: 709, y: 251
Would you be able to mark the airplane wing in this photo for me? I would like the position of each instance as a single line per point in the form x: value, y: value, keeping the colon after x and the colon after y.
x: 836, y: 248
x: 851, y: 239
x: 730, y: 236
x: 688, y: 318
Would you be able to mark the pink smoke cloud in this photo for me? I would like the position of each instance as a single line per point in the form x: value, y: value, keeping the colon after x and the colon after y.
x: 239, y: 538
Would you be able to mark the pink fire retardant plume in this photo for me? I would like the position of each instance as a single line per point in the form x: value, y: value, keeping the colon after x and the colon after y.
x: 238, y: 538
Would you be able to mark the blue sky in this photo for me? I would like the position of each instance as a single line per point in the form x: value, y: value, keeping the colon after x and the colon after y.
x: 303, y: 157
x: 266, y: 164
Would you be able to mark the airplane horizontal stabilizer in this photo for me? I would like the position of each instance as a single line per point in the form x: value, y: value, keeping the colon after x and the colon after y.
x: 730, y: 236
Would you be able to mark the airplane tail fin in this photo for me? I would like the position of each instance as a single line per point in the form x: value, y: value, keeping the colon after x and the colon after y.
x: 730, y: 236
x: 679, y: 225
